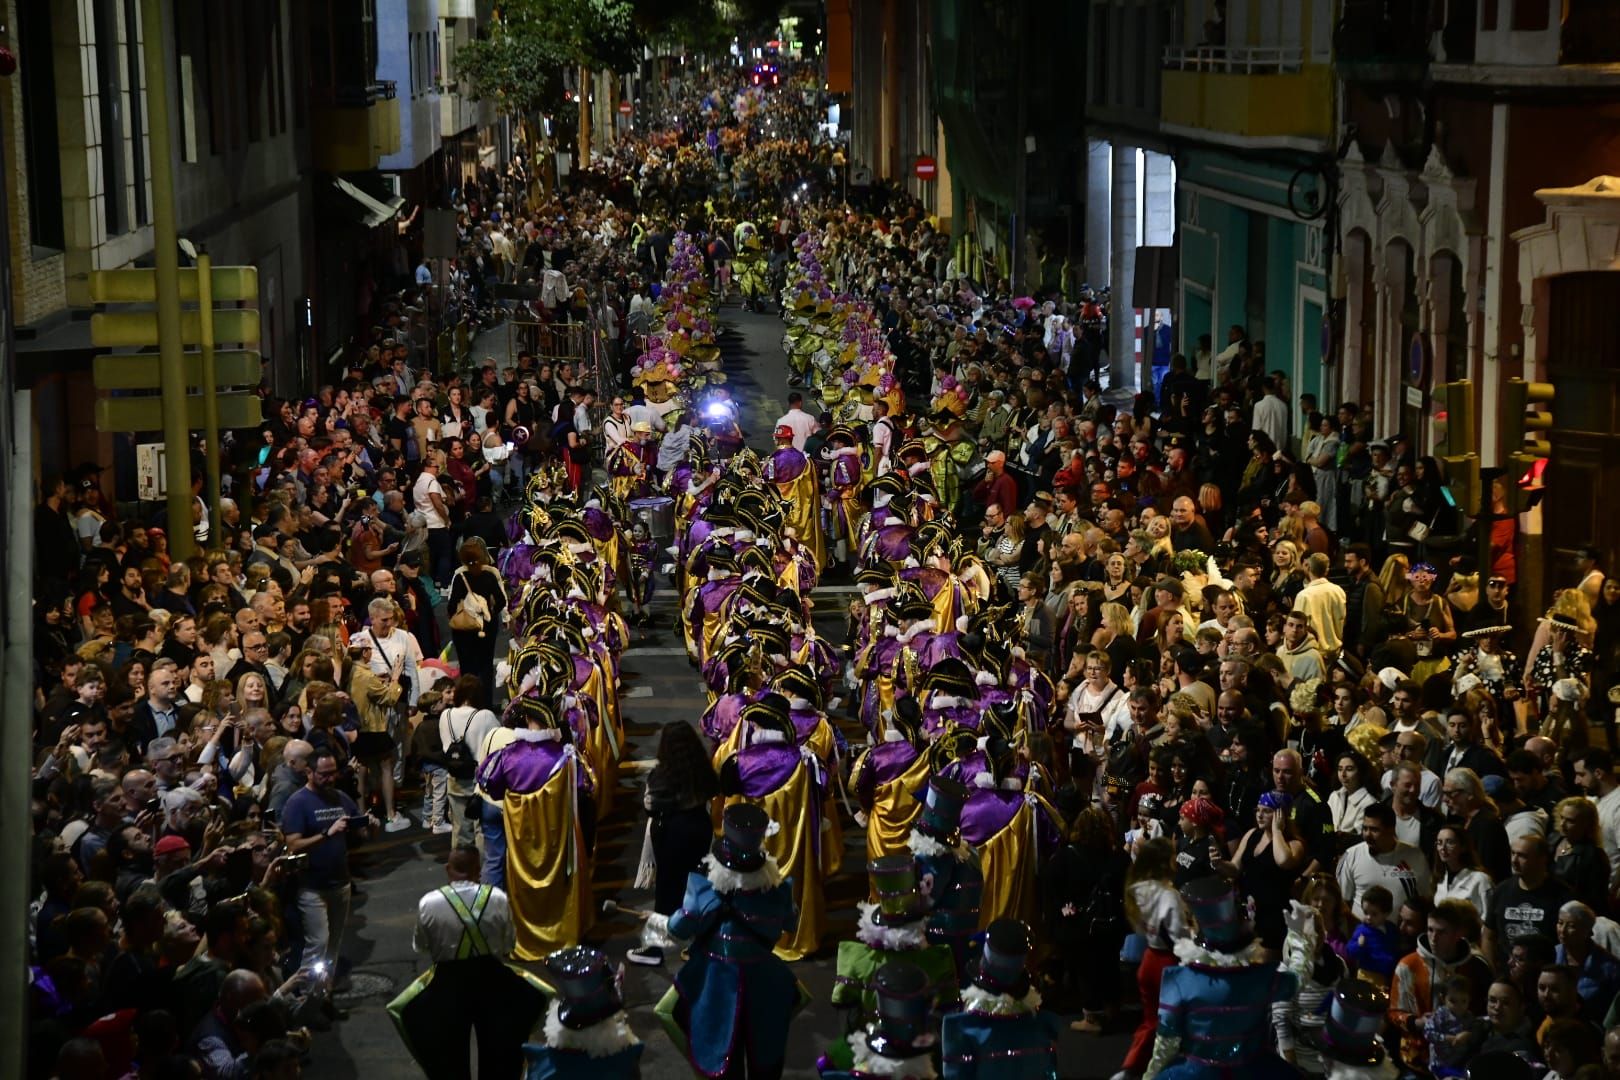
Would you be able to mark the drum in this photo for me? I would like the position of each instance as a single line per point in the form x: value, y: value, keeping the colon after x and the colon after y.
x: 658, y: 514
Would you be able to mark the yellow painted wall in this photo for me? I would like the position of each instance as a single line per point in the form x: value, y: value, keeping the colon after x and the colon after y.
x: 1296, y: 104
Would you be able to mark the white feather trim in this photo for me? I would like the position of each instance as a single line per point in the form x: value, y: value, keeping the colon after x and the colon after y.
x: 921, y: 843
x: 947, y: 701
x: 870, y: 1063
x: 726, y: 880
x: 877, y: 596
x: 598, y: 1041
x: 921, y: 626
x: 887, y: 938
x: 976, y: 999
x: 767, y: 735
x: 1189, y: 951
x: 985, y: 678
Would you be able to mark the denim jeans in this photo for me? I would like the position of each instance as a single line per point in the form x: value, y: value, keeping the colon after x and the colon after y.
x: 493, y: 822
x: 325, y: 913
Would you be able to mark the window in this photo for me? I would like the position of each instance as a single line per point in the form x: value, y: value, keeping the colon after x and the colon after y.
x: 137, y: 106
x: 110, y: 104
x: 40, y: 158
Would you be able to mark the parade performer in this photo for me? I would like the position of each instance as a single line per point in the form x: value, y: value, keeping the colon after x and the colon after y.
x: 948, y: 868
x: 897, y: 1045
x: 1215, y: 1006
x: 1014, y: 830
x: 587, y: 1032
x: 891, y: 929
x: 544, y: 786
x: 790, y: 784
x: 844, y: 482
x: 795, y: 478
x: 702, y: 617
x: 884, y: 778
x: 465, y: 929
x: 1002, y: 1033
x: 731, y: 1003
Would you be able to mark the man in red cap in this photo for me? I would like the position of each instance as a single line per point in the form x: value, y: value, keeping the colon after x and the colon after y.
x: 800, y: 424
x: 796, y: 478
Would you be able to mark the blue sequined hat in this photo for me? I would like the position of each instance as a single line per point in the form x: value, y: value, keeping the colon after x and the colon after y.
x: 941, y: 816
x: 586, y: 984
x: 742, y: 832
x: 1222, y: 925
x: 1355, y: 1017
x: 1002, y: 966
x: 902, y: 1029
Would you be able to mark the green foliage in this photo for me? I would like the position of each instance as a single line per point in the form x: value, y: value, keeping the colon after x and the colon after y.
x: 531, y: 42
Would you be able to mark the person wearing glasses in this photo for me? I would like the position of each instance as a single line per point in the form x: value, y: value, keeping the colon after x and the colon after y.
x: 318, y: 821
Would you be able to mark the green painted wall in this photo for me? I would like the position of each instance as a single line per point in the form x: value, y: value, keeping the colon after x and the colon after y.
x: 1236, y: 234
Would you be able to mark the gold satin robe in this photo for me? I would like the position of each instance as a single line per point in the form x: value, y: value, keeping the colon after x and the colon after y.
x: 548, y: 870
x: 794, y: 848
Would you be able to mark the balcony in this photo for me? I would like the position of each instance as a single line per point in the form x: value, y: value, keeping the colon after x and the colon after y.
x: 1249, y: 95
x: 1386, y: 42
x: 352, y: 128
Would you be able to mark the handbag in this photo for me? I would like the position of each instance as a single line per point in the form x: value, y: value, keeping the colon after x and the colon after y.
x: 1419, y: 531
x: 472, y: 613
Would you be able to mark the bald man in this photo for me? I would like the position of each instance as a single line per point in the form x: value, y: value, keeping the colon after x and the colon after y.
x: 219, y: 1042
x: 291, y: 774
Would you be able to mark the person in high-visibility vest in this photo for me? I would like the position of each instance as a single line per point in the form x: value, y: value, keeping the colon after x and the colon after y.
x: 466, y: 929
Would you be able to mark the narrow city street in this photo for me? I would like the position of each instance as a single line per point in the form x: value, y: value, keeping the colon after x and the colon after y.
x: 660, y: 687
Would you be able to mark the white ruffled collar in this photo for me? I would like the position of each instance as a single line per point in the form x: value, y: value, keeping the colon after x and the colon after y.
x: 537, y: 735
x: 719, y: 575
x: 888, y: 938
x: 602, y: 1039
x: 767, y: 735
x: 723, y: 879
x: 869, y: 1062
x: 799, y: 704
x: 976, y: 999
x: 947, y: 701
x: 917, y: 629
x: 1191, y: 953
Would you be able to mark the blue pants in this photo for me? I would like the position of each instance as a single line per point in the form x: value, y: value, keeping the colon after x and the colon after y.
x: 493, y: 822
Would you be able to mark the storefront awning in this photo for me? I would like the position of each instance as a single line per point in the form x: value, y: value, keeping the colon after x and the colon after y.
x: 370, y: 210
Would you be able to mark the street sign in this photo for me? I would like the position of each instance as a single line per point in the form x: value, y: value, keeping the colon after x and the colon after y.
x: 240, y: 410
x: 230, y: 284
x: 925, y: 167
x: 133, y: 329
x: 625, y: 108
x: 139, y: 371
x: 1414, y: 397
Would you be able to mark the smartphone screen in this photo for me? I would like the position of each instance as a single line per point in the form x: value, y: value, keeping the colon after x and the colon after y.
x: 1451, y: 500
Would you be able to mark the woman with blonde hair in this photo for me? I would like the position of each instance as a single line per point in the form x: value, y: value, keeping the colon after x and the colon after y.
x: 1116, y: 636
x: 1287, y: 575
x: 252, y: 691
x: 1210, y: 504
x: 1392, y: 578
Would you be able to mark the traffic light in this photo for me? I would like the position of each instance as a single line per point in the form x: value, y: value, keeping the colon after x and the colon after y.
x: 1457, y: 449
x: 1523, y: 428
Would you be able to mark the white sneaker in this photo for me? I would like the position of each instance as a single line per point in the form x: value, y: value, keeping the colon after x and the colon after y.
x: 397, y: 823
x: 443, y: 827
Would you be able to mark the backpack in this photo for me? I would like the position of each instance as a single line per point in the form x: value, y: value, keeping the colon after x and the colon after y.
x: 458, y: 756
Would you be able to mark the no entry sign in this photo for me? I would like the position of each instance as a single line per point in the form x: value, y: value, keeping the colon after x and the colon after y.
x: 625, y: 108
x: 925, y: 168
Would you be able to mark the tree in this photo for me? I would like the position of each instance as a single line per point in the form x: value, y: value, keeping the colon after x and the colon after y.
x: 530, y: 43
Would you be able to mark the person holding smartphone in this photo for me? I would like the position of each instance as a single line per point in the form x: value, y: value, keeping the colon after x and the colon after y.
x: 318, y: 821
